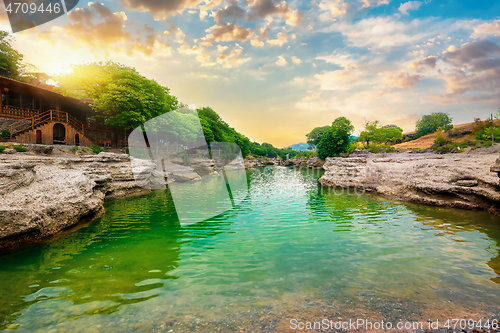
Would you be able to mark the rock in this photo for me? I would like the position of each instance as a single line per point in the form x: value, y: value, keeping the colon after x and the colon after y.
x: 467, y: 182
x: 9, y: 151
x: 42, y: 195
x: 427, y: 150
x: 459, y: 181
x: 454, y: 150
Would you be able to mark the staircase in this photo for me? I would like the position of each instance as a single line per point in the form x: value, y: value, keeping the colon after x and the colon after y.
x: 25, y: 130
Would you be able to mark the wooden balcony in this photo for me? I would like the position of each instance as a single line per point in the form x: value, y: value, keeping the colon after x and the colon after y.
x: 20, y: 113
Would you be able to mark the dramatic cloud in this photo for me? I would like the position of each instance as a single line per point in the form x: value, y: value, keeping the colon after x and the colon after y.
x: 232, y: 12
x: 224, y: 32
x: 99, y: 28
x: 427, y: 62
x: 260, y: 9
x: 410, y: 5
x: 476, y: 67
x: 472, y: 53
x: 161, y: 8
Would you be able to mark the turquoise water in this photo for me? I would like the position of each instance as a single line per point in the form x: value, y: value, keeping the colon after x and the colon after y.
x: 291, y: 250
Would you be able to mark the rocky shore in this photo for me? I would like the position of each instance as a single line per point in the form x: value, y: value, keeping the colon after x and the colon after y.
x: 301, y: 162
x: 42, y: 195
x: 463, y: 180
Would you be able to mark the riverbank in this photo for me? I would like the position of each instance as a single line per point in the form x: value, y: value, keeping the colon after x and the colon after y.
x: 42, y: 195
x: 462, y: 180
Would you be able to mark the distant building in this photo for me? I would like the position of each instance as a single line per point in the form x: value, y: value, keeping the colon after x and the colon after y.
x: 45, y: 116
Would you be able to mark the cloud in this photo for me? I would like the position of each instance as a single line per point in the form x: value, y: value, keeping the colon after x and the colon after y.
x: 232, y: 12
x: 224, y: 32
x: 281, y: 38
x: 98, y: 27
x: 233, y: 58
x: 373, y: 3
x: 296, y: 60
x: 410, y: 5
x: 487, y: 29
x: 281, y: 61
x: 471, y: 53
x: 337, y: 8
x: 97, y: 35
x: 260, y: 9
x: 160, y: 8
x: 476, y: 67
x: 402, y: 81
x: 385, y: 32
x: 427, y: 62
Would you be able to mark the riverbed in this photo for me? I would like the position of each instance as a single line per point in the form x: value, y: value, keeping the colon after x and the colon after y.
x: 291, y: 250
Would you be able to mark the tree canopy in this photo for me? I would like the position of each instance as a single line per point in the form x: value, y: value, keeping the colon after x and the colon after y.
x: 336, y: 140
x: 432, y: 122
x: 119, y: 94
x: 384, y: 134
x: 11, y: 61
x: 314, y: 137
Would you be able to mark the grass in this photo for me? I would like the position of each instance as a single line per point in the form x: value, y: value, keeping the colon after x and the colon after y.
x: 20, y: 148
x: 2, y: 148
x: 96, y: 149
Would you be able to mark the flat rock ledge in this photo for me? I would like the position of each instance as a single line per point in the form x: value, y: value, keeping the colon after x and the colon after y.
x: 452, y: 180
x: 42, y: 195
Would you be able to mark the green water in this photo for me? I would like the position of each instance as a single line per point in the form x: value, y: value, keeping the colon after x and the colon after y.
x: 290, y: 250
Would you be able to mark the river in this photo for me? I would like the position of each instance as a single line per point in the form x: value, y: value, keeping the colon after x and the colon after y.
x: 291, y: 250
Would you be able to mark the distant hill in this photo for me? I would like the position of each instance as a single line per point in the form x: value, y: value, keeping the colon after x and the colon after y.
x: 299, y: 146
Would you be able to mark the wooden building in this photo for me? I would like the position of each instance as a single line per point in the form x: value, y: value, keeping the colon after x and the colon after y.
x: 47, y: 117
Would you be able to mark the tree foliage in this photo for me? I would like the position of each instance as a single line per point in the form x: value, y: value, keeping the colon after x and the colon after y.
x: 336, y: 140
x: 119, y: 94
x: 314, y: 137
x: 432, y: 122
x: 380, y: 134
x: 11, y: 61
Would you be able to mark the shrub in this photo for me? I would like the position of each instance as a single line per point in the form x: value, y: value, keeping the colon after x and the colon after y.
x: 5, y: 134
x: 2, y: 148
x: 74, y: 149
x: 441, y: 141
x: 95, y: 149
x: 20, y: 148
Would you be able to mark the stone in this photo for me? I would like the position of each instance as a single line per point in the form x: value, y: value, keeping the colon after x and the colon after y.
x: 459, y: 181
x: 9, y: 151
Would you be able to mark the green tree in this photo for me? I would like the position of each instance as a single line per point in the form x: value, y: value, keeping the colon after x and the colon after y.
x: 11, y: 61
x: 369, y: 133
x: 314, y: 137
x: 119, y: 94
x: 336, y: 140
x: 432, y: 122
x: 388, y: 134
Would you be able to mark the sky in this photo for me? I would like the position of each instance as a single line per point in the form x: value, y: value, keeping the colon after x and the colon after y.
x: 274, y: 70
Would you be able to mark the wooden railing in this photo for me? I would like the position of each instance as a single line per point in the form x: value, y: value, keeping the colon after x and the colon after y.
x: 40, y: 119
x: 16, y: 112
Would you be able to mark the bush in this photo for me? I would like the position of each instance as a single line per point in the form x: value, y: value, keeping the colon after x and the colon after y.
x: 5, y: 134
x: 2, y: 148
x: 95, y: 149
x: 74, y: 149
x: 441, y: 141
x: 20, y: 148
